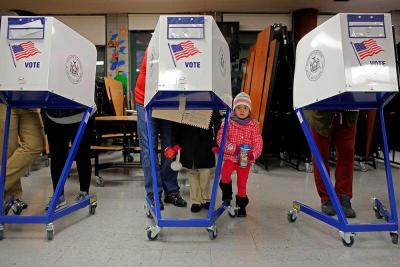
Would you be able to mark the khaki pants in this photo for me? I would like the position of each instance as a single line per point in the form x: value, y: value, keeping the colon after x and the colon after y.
x: 25, y: 143
x: 200, y: 185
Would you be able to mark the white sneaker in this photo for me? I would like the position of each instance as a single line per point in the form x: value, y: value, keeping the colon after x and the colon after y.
x: 61, y: 203
x: 81, y: 196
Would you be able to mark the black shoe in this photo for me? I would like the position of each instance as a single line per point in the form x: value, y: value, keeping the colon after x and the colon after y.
x: 241, y: 203
x: 176, y: 199
x: 206, y: 205
x: 226, y: 192
x: 242, y: 212
x: 196, y: 207
x: 327, y: 208
x: 7, y: 207
x: 151, y: 197
x: 346, y: 204
x: 22, y: 203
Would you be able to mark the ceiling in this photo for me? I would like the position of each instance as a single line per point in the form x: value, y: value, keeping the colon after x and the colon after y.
x: 174, y: 6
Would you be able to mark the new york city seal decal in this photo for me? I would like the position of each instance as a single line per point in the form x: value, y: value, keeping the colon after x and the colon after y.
x: 74, y: 69
x: 315, y: 65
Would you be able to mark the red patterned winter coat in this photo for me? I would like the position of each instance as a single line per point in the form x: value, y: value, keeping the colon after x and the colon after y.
x: 238, y: 135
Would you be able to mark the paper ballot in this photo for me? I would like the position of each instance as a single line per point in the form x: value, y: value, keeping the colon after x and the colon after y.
x: 196, y: 118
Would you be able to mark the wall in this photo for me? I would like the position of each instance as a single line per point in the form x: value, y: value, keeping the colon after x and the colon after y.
x: 91, y: 27
x: 141, y: 22
x: 396, y: 24
x: 257, y: 22
x: 118, y: 48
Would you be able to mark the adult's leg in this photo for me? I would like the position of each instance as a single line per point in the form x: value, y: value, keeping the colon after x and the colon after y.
x: 12, y: 189
x: 323, y: 146
x: 205, y: 184
x: 144, y: 149
x: 169, y: 177
x: 58, y: 147
x: 31, y: 144
x: 82, y: 158
x: 344, y: 139
x: 195, y: 189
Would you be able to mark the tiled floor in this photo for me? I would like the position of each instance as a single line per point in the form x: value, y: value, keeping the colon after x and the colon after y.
x: 115, y: 235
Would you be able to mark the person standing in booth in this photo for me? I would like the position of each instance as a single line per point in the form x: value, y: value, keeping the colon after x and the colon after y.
x: 61, y: 127
x: 167, y: 178
x: 338, y: 128
x: 198, y: 157
x: 25, y: 144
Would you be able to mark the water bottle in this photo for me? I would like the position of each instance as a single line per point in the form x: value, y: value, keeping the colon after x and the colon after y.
x: 244, y: 150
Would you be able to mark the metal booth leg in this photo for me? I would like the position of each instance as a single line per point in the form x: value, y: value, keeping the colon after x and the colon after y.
x: 209, y: 223
x: 341, y: 222
x: 152, y: 231
x: 347, y: 230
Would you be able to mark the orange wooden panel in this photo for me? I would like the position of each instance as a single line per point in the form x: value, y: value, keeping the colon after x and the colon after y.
x: 273, y: 49
x: 115, y: 94
x: 260, y: 62
x: 246, y: 83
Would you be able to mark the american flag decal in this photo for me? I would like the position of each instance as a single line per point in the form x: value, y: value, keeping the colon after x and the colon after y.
x: 367, y: 48
x: 24, y: 50
x: 184, y: 49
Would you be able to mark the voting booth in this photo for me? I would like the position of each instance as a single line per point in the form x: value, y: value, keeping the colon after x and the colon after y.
x: 45, y: 64
x: 188, y: 68
x: 347, y: 63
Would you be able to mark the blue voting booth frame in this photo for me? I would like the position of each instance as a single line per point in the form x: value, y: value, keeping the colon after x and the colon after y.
x: 351, y: 101
x: 194, y: 100
x: 43, y: 99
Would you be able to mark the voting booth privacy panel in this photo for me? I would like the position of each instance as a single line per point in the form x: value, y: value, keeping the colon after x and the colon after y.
x: 347, y: 63
x: 188, y: 55
x: 348, y: 59
x: 45, y: 64
x: 188, y: 68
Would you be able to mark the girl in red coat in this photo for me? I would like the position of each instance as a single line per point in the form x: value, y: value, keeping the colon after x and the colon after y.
x: 242, y: 147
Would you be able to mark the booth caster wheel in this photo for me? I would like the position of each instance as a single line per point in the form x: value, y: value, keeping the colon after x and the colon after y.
x: 377, y: 213
x: 147, y: 211
x: 1, y: 231
x: 212, y: 232
x: 152, y: 232
x: 232, y: 212
x: 92, y: 208
x: 50, y: 231
x: 380, y: 211
x: 99, y: 181
x: 292, y: 215
x: 347, y: 238
x: 395, y: 237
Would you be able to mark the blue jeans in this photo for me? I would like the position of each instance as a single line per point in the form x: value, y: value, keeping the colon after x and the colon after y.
x: 165, y: 175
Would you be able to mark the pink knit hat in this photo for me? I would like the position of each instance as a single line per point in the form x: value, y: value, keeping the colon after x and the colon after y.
x: 242, y: 99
